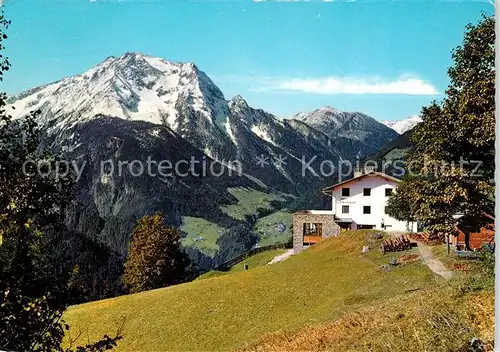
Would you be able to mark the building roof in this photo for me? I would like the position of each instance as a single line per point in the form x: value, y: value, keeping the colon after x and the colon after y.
x: 315, y: 212
x: 368, y: 174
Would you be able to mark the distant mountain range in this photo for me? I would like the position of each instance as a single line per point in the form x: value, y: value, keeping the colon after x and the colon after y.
x: 355, y: 126
x: 135, y: 106
x: 402, y: 126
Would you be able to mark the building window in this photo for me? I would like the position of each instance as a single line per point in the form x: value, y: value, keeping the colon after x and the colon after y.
x: 346, y: 192
x: 367, y: 192
x: 345, y: 209
x: 367, y: 209
x: 388, y: 192
x: 385, y: 211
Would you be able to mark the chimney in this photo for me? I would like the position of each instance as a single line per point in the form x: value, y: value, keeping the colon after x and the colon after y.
x: 362, y: 171
x: 369, y: 169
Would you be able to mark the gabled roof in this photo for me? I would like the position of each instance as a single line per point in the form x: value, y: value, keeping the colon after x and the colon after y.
x: 368, y: 174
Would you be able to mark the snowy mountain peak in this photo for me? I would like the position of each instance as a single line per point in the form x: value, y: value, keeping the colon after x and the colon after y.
x: 329, y: 109
x: 134, y: 54
x: 238, y: 102
x: 324, y: 112
x: 132, y: 86
x: 402, y: 126
x: 353, y: 125
x: 329, y: 115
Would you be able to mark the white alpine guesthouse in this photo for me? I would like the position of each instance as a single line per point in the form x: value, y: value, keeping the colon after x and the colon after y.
x: 360, y: 202
x: 357, y: 203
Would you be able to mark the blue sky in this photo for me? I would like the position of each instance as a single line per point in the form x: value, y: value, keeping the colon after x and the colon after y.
x: 386, y: 59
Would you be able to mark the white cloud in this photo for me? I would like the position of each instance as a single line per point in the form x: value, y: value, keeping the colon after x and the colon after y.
x: 405, y: 85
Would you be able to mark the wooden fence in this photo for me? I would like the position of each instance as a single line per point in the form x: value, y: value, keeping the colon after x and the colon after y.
x: 226, y: 265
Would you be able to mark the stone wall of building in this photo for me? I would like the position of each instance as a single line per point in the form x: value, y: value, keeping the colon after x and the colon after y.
x: 329, y: 226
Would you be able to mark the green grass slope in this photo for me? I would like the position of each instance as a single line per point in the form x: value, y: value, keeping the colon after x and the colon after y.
x: 253, y: 262
x: 229, y: 311
x: 436, y: 318
x: 257, y: 260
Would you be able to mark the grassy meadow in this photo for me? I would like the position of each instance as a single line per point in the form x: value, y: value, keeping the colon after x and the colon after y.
x: 235, y: 310
x: 267, y: 228
x: 434, y: 319
x: 201, y: 234
x: 251, y: 202
x: 254, y: 261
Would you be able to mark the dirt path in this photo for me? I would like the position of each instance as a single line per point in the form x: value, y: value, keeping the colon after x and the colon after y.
x: 281, y: 257
x: 433, y: 263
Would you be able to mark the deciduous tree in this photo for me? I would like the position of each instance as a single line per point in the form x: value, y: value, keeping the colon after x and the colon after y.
x: 453, y: 160
x: 155, y: 258
x: 398, y: 206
